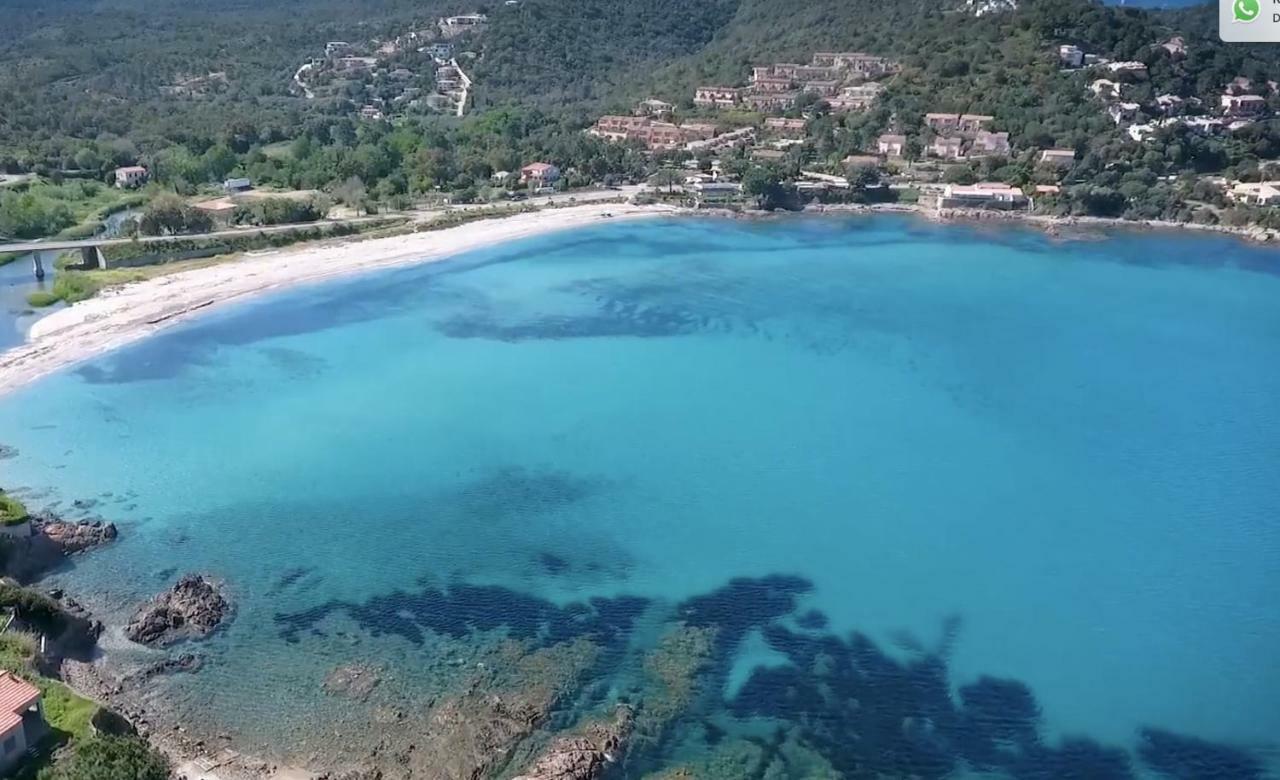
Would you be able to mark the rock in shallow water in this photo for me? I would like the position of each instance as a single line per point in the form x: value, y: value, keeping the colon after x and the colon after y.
x: 191, y: 609
x: 585, y: 755
x: 354, y: 681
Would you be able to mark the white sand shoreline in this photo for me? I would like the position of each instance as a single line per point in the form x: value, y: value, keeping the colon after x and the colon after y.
x: 120, y: 316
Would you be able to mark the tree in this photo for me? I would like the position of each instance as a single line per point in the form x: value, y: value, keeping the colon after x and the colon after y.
x: 665, y: 177
x: 169, y: 215
x: 351, y: 192
x: 765, y: 185
x: 111, y: 758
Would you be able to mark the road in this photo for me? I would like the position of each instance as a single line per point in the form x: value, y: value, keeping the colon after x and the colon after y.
x: 424, y: 215
x: 53, y: 243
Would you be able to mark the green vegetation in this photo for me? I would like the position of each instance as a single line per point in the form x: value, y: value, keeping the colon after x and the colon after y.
x: 35, y: 608
x: 68, y: 713
x: 280, y: 211
x: 171, y: 215
x: 12, y: 511
x: 39, y: 299
x: 111, y: 758
x: 71, y: 209
x: 199, y: 94
x: 70, y: 716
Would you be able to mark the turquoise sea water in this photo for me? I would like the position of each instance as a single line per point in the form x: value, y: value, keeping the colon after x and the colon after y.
x: 1052, y: 463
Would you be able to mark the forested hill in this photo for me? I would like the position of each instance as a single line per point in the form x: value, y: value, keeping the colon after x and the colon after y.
x: 569, y: 51
x: 74, y: 69
x: 89, y: 85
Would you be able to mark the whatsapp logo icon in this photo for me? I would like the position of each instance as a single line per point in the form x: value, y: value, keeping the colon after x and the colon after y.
x: 1245, y: 10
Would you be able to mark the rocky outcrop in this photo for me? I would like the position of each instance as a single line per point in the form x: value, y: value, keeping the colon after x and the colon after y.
x: 71, y: 538
x: 191, y: 609
x: 26, y: 558
x: 585, y: 755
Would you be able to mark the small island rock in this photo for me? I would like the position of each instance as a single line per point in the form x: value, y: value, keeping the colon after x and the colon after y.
x: 191, y: 609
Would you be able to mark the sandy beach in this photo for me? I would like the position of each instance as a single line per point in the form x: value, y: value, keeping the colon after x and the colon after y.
x: 119, y: 316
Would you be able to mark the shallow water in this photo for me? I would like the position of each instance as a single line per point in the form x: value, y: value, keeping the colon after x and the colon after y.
x: 1045, y: 462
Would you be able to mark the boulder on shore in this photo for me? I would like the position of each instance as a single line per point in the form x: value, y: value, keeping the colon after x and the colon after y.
x: 191, y: 609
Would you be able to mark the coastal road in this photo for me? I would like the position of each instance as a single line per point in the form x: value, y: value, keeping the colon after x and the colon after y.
x: 426, y: 215
x: 53, y: 243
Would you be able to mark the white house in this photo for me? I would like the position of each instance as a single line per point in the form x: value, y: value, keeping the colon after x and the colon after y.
x: 1264, y: 193
x: 1071, y: 56
x: 1059, y: 158
x: 892, y: 145
x: 989, y: 195
x: 131, y: 176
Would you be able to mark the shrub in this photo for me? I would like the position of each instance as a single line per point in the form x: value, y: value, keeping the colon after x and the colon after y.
x: 41, y: 298
x: 71, y: 286
x: 12, y: 512
x: 112, y: 758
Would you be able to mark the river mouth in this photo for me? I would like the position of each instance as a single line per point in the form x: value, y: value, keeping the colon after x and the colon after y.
x: 976, y: 496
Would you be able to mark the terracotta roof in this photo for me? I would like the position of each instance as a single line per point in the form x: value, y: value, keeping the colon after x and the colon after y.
x: 16, y: 697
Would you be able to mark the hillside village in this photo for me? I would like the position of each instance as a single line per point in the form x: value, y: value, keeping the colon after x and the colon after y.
x: 418, y: 71
x: 723, y: 130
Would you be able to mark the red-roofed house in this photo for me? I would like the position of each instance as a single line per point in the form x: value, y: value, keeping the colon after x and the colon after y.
x: 21, y: 719
x: 540, y: 174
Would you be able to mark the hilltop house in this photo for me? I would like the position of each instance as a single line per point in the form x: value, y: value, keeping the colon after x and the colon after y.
x: 856, y: 97
x: 539, y: 174
x: 942, y: 123
x: 1170, y: 105
x: 653, y: 107
x: 131, y: 176
x: 1105, y: 88
x: 1265, y: 193
x: 1133, y: 68
x: 892, y: 145
x: 717, y: 97
x: 985, y: 143
x: 961, y: 123
x: 22, y: 722
x: 1243, y: 105
x: 453, y: 26
x: 1059, y: 158
x: 947, y: 147
x: 1123, y: 112
x: 1176, y: 46
x: 788, y: 128
x: 1071, y: 56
